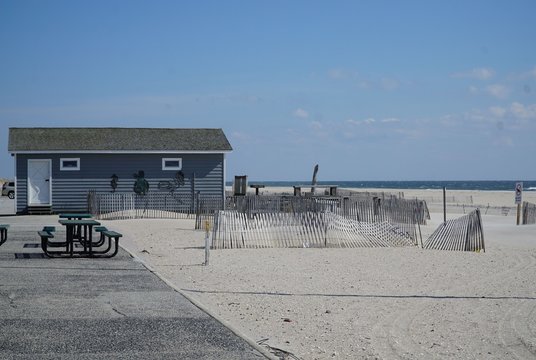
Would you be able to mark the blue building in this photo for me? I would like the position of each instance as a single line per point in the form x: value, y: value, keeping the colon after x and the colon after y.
x: 55, y: 168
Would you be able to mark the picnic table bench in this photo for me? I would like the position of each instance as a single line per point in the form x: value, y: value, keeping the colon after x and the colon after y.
x: 111, y: 235
x: 3, y: 233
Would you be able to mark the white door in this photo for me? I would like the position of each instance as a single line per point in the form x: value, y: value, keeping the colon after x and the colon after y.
x: 39, y: 182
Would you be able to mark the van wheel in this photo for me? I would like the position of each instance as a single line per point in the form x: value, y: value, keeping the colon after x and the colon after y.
x: 11, y: 194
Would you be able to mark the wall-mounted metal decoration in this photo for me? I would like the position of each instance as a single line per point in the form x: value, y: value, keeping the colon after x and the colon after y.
x: 141, y: 186
x: 113, y: 183
x: 173, y: 184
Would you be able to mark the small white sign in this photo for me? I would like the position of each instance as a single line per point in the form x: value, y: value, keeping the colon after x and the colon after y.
x: 519, y: 192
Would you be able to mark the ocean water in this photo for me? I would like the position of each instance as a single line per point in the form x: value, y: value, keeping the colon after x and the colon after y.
x: 506, y: 185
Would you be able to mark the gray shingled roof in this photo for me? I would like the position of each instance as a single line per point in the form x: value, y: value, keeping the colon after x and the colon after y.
x: 116, y: 139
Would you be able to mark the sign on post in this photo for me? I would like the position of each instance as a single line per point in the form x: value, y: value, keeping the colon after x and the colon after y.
x: 519, y: 192
x: 519, y: 195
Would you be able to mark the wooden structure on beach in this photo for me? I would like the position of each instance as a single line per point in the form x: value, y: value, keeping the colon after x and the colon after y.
x: 355, y: 221
x: 234, y: 229
x: 290, y: 221
x: 528, y: 214
x: 461, y: 234
x: 324, y: 221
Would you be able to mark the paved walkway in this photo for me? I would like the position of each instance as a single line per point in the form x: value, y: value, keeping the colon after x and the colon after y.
x: 98, y: 308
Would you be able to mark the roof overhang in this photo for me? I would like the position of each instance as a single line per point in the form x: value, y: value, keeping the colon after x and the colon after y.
x: 120, y: 152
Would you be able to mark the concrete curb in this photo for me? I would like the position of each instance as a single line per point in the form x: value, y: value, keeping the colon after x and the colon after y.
x: 203, y: 308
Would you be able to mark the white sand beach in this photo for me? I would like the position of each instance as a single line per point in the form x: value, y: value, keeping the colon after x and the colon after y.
x: 363, y: 303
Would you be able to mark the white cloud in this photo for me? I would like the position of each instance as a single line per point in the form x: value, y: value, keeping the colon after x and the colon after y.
x: 498, y: 91
x: 237, y: 135
x: 389, y: 83
x: 515, y: 116
x: 341, y: 74
x: 449, y: 120
x: 409, y: 133
x: 473, y: 90
x: 390, y: 120
x: 367, y: 121
x: 300, y: 113
x: 504, y: 141
x: 363, y: 84
x: 336, y: 74
x: 522, y: 76
x: 316, y: 125
x: 497, y: 111
x: 521, y: 111
x: 476, y: 115
x: 480, y: 73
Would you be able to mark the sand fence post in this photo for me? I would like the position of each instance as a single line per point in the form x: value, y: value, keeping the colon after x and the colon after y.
x: 444, y: 204
x: 207, y: 242
x: 416, y: 216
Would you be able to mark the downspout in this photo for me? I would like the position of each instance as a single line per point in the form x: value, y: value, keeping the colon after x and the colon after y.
x: 224, y: 177
x: 15, y: 180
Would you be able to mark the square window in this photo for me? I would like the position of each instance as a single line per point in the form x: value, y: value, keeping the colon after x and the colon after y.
x: 69, y: 164
x: 171, y: 164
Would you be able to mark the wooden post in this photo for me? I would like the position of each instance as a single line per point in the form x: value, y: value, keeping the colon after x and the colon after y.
x: 416, y: 216
x: 207, y: 245
x: 444, y: 205
x: 313, y: 182
x: 518, y: 199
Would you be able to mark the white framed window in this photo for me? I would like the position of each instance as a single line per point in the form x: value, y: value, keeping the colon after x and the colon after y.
x: 171, y: 163
x: 70, y: 164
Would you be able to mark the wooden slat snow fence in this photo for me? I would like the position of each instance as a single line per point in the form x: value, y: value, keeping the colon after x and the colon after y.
x: 528, y: 213
x: 406, y: 214
x: 234, y: 229
x: 461, y: 234
x: 368, y: 209
x: 387, y: 224
x: 153, y: 205
x: 290, y: 221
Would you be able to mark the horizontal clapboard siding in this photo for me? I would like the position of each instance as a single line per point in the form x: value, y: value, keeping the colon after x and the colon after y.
x: 70, y: 188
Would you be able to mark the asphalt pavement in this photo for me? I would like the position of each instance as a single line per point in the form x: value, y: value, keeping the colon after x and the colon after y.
x: 7, y: 206
x: 98, y: 308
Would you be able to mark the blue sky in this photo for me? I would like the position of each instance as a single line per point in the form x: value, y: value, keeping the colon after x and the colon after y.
x: 369, y: 90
